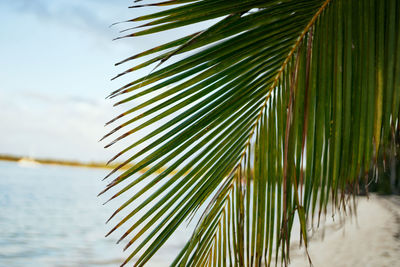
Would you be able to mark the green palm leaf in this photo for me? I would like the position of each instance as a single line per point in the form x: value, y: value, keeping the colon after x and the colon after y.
x: 272, y: 111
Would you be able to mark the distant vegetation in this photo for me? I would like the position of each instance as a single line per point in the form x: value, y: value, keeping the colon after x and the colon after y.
x: 72, y: 163
x: 62, y: 162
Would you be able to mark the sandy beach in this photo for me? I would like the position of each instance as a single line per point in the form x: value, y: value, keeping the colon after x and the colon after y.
x: 371, y: 239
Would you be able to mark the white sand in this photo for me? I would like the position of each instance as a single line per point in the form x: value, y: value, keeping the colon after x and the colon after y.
x: 372, y: 238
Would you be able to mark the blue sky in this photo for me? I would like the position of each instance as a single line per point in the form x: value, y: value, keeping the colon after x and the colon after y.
x: 57, y: 59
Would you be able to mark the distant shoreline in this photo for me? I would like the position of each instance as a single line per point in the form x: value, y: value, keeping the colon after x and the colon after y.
x: 71, y: 163
x: 97, y: 165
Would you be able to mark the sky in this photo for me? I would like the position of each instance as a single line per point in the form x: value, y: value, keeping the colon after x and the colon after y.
x: 57, y: 58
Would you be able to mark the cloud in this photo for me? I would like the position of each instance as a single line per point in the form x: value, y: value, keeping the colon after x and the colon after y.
x: 52, y: 126
x: 54, y: 99
x: 48, y: 113
x: 58, y: 126
x: 73, y: 14
x: 36, y: 7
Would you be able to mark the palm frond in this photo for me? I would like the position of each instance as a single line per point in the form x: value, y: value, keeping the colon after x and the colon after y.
x: 279, y: 108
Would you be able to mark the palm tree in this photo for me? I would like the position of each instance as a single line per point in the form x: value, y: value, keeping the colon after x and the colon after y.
x: 270, y: 112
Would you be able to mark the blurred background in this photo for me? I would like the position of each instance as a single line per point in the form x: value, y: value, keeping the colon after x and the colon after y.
x: 57, y: 59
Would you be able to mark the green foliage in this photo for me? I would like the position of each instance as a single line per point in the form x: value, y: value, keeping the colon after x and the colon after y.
x: 384, y: 177
x: 268, y: 114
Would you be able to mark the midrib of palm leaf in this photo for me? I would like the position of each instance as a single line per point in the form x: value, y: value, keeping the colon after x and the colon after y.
x: 274, y: 108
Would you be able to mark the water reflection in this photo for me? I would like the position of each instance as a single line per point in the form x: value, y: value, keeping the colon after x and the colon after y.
x: 50, y: 216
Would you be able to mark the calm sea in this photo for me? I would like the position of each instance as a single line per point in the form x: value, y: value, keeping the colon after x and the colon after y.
x: 51, y: 216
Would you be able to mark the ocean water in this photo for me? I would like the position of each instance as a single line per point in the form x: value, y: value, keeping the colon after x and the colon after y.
x: 51, y: 216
